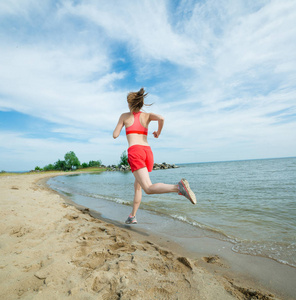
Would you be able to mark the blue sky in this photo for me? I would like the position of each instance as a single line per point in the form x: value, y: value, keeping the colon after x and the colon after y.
x: 222, y: 73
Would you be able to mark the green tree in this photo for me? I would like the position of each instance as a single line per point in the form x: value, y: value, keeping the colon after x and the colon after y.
x: 94, y: 163
x: 84, y: 165
x: 123, y: 159
x: 49, y: 167
x: 71, y: 160
x: 38, y: 168
x: 60, y: 165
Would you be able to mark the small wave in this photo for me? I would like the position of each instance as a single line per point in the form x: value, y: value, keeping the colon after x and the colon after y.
x: 180, y: 218
x: 281, y: 252
x: 69, y: 192
x: 207, y: 230
x: 117, y: 200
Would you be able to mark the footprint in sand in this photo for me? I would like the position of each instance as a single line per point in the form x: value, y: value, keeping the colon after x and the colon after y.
x: 20, y: 231
x: 214, y: 259
x: 71, y: 217
x: 126, y: 247
x: 94, y: 260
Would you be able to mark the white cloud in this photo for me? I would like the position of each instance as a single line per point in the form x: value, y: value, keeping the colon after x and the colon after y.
x: 143, y: 26
x: 222, y: 73
x: 54, y: 84
x: 20, y: 8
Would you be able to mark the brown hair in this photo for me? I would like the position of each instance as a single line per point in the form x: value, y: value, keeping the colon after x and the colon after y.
x: 136, y: 100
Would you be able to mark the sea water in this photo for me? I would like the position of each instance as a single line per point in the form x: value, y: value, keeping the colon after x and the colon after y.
x: 250, y: 203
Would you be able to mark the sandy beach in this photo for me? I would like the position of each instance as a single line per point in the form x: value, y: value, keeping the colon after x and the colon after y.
x: 50, y: 249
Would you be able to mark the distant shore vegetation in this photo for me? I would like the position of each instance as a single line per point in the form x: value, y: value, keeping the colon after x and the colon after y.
x: 70, y: 163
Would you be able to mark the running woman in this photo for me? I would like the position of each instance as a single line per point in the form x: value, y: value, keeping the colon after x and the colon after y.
x: 140, y: 156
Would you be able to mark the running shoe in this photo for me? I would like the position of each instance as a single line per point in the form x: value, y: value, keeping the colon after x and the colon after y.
x: 186, y: 191
x: 131, y: 220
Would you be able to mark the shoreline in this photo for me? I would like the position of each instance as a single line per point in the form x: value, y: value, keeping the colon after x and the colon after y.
x: 52, y: 248
x: 213, y: 253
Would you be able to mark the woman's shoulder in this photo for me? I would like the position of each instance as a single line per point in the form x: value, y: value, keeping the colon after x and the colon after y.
x: 155, y: 117
x: 125, y: 115
x: 145, y: 115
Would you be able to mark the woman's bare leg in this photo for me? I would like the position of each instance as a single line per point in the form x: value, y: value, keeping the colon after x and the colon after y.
x: 137, y: 197
x: 142, y: 177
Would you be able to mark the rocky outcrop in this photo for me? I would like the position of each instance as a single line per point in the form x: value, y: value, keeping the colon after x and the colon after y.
x: 164, y: 166
x: 124, y: 168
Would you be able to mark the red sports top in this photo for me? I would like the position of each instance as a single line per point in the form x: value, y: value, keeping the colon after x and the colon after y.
x: 137, y: 127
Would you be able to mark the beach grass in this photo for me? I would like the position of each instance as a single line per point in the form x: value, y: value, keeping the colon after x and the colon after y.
x: 86, y: 170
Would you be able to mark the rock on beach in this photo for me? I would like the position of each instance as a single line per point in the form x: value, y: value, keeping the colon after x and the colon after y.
x: 124, y: 168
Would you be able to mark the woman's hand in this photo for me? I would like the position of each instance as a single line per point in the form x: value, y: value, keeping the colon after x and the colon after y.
x: 156, y: 134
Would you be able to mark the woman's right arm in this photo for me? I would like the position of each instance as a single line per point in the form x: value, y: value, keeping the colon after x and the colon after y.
x: 118, y: 127
x: 160, y: 119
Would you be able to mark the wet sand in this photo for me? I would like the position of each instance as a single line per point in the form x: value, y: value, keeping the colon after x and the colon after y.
x: 50, y: 249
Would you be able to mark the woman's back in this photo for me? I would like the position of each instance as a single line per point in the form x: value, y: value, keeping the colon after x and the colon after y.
x: 136, y: 125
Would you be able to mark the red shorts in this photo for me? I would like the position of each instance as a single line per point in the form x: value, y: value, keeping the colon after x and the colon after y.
x: 139, y: 157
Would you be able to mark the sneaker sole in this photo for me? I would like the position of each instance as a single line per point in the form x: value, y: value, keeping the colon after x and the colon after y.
x: 135, y: 222
x: 189, y: 191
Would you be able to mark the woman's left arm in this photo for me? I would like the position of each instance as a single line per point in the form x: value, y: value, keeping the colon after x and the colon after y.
x: 118, y: 127
x: 160, y: 119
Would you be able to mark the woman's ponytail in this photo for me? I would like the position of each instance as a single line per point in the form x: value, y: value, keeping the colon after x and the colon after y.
x: 136, y: 100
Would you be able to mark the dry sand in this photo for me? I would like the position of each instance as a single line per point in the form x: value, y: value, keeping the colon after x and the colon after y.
x: 52, y: 250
